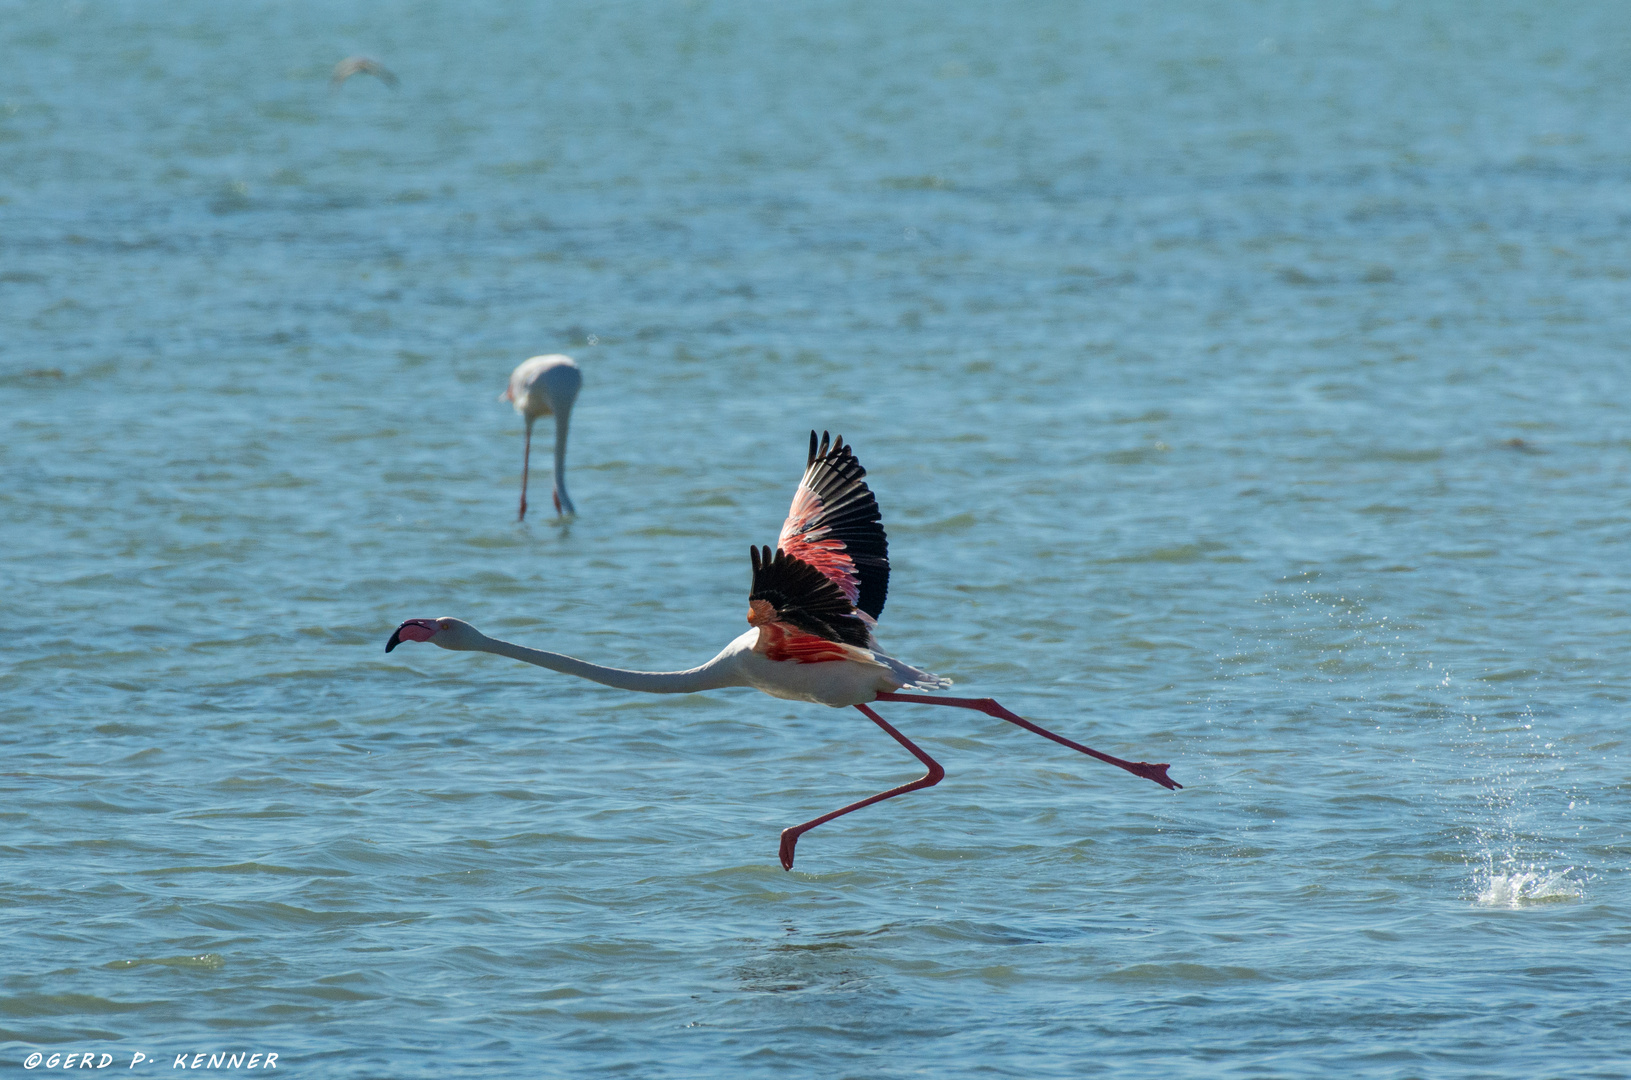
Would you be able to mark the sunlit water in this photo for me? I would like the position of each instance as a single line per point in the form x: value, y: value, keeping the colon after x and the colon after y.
x: 1244, y: 385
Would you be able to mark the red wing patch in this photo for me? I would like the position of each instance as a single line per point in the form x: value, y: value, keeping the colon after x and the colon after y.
x: 779, y: 641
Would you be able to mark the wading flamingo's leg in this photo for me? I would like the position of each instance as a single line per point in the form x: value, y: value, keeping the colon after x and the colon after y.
x: 1158, y: 773
x: 526, y: 464
x: 790, y: 837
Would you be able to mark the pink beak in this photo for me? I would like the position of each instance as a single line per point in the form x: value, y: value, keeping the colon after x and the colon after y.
x: 412, y: 630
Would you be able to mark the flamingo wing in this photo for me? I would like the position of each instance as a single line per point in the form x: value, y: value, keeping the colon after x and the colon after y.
x: 835, y: 526
x: 800, y: 601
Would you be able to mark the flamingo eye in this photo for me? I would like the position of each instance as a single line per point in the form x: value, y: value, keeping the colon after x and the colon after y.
x: 443, y: 624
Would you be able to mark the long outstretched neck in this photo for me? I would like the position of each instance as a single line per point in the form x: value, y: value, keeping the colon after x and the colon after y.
x: 715, y: 674
x: 563, y: 420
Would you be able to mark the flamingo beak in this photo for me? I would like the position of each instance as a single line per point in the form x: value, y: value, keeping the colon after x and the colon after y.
x: 412, y: 630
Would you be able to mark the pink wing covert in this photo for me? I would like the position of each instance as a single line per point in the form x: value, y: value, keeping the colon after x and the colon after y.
x: 835, y: 526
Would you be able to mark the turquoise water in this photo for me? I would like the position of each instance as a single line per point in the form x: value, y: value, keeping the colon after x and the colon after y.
x: 1244, y: 386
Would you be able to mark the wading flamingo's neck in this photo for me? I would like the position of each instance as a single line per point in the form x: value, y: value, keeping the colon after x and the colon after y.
x: 563, y: 420
x: 716, y: 674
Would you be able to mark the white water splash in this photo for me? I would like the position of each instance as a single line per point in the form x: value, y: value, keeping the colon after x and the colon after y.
x: 1525, y: 887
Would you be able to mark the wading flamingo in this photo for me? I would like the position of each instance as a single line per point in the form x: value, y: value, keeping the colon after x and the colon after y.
x: 811, y: 610
x: 539, y: 387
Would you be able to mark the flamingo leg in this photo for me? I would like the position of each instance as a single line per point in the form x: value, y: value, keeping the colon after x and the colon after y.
x: 1158, y: 773
x: 790, y: 837
x: 526, y: 463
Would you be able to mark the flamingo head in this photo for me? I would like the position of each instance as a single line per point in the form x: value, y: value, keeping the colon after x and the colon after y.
x: 455, y: 634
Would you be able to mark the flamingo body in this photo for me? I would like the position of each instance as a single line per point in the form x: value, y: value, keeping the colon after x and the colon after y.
x: 812, y: 608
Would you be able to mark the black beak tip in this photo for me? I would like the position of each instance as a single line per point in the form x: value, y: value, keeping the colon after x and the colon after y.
x: 396, y: 639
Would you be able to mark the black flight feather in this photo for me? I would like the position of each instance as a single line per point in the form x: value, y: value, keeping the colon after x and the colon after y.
x: 804, y: 597
x: 849, y: 514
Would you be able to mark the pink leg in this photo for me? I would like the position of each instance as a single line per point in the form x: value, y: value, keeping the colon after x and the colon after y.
x: 1158, y: 773
x: 526, y: 463
x: 790, y: 837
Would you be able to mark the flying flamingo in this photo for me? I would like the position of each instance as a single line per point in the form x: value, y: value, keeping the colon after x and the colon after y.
x: 360, y: 65
x: 811, y: 610
x: 539, y: 387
